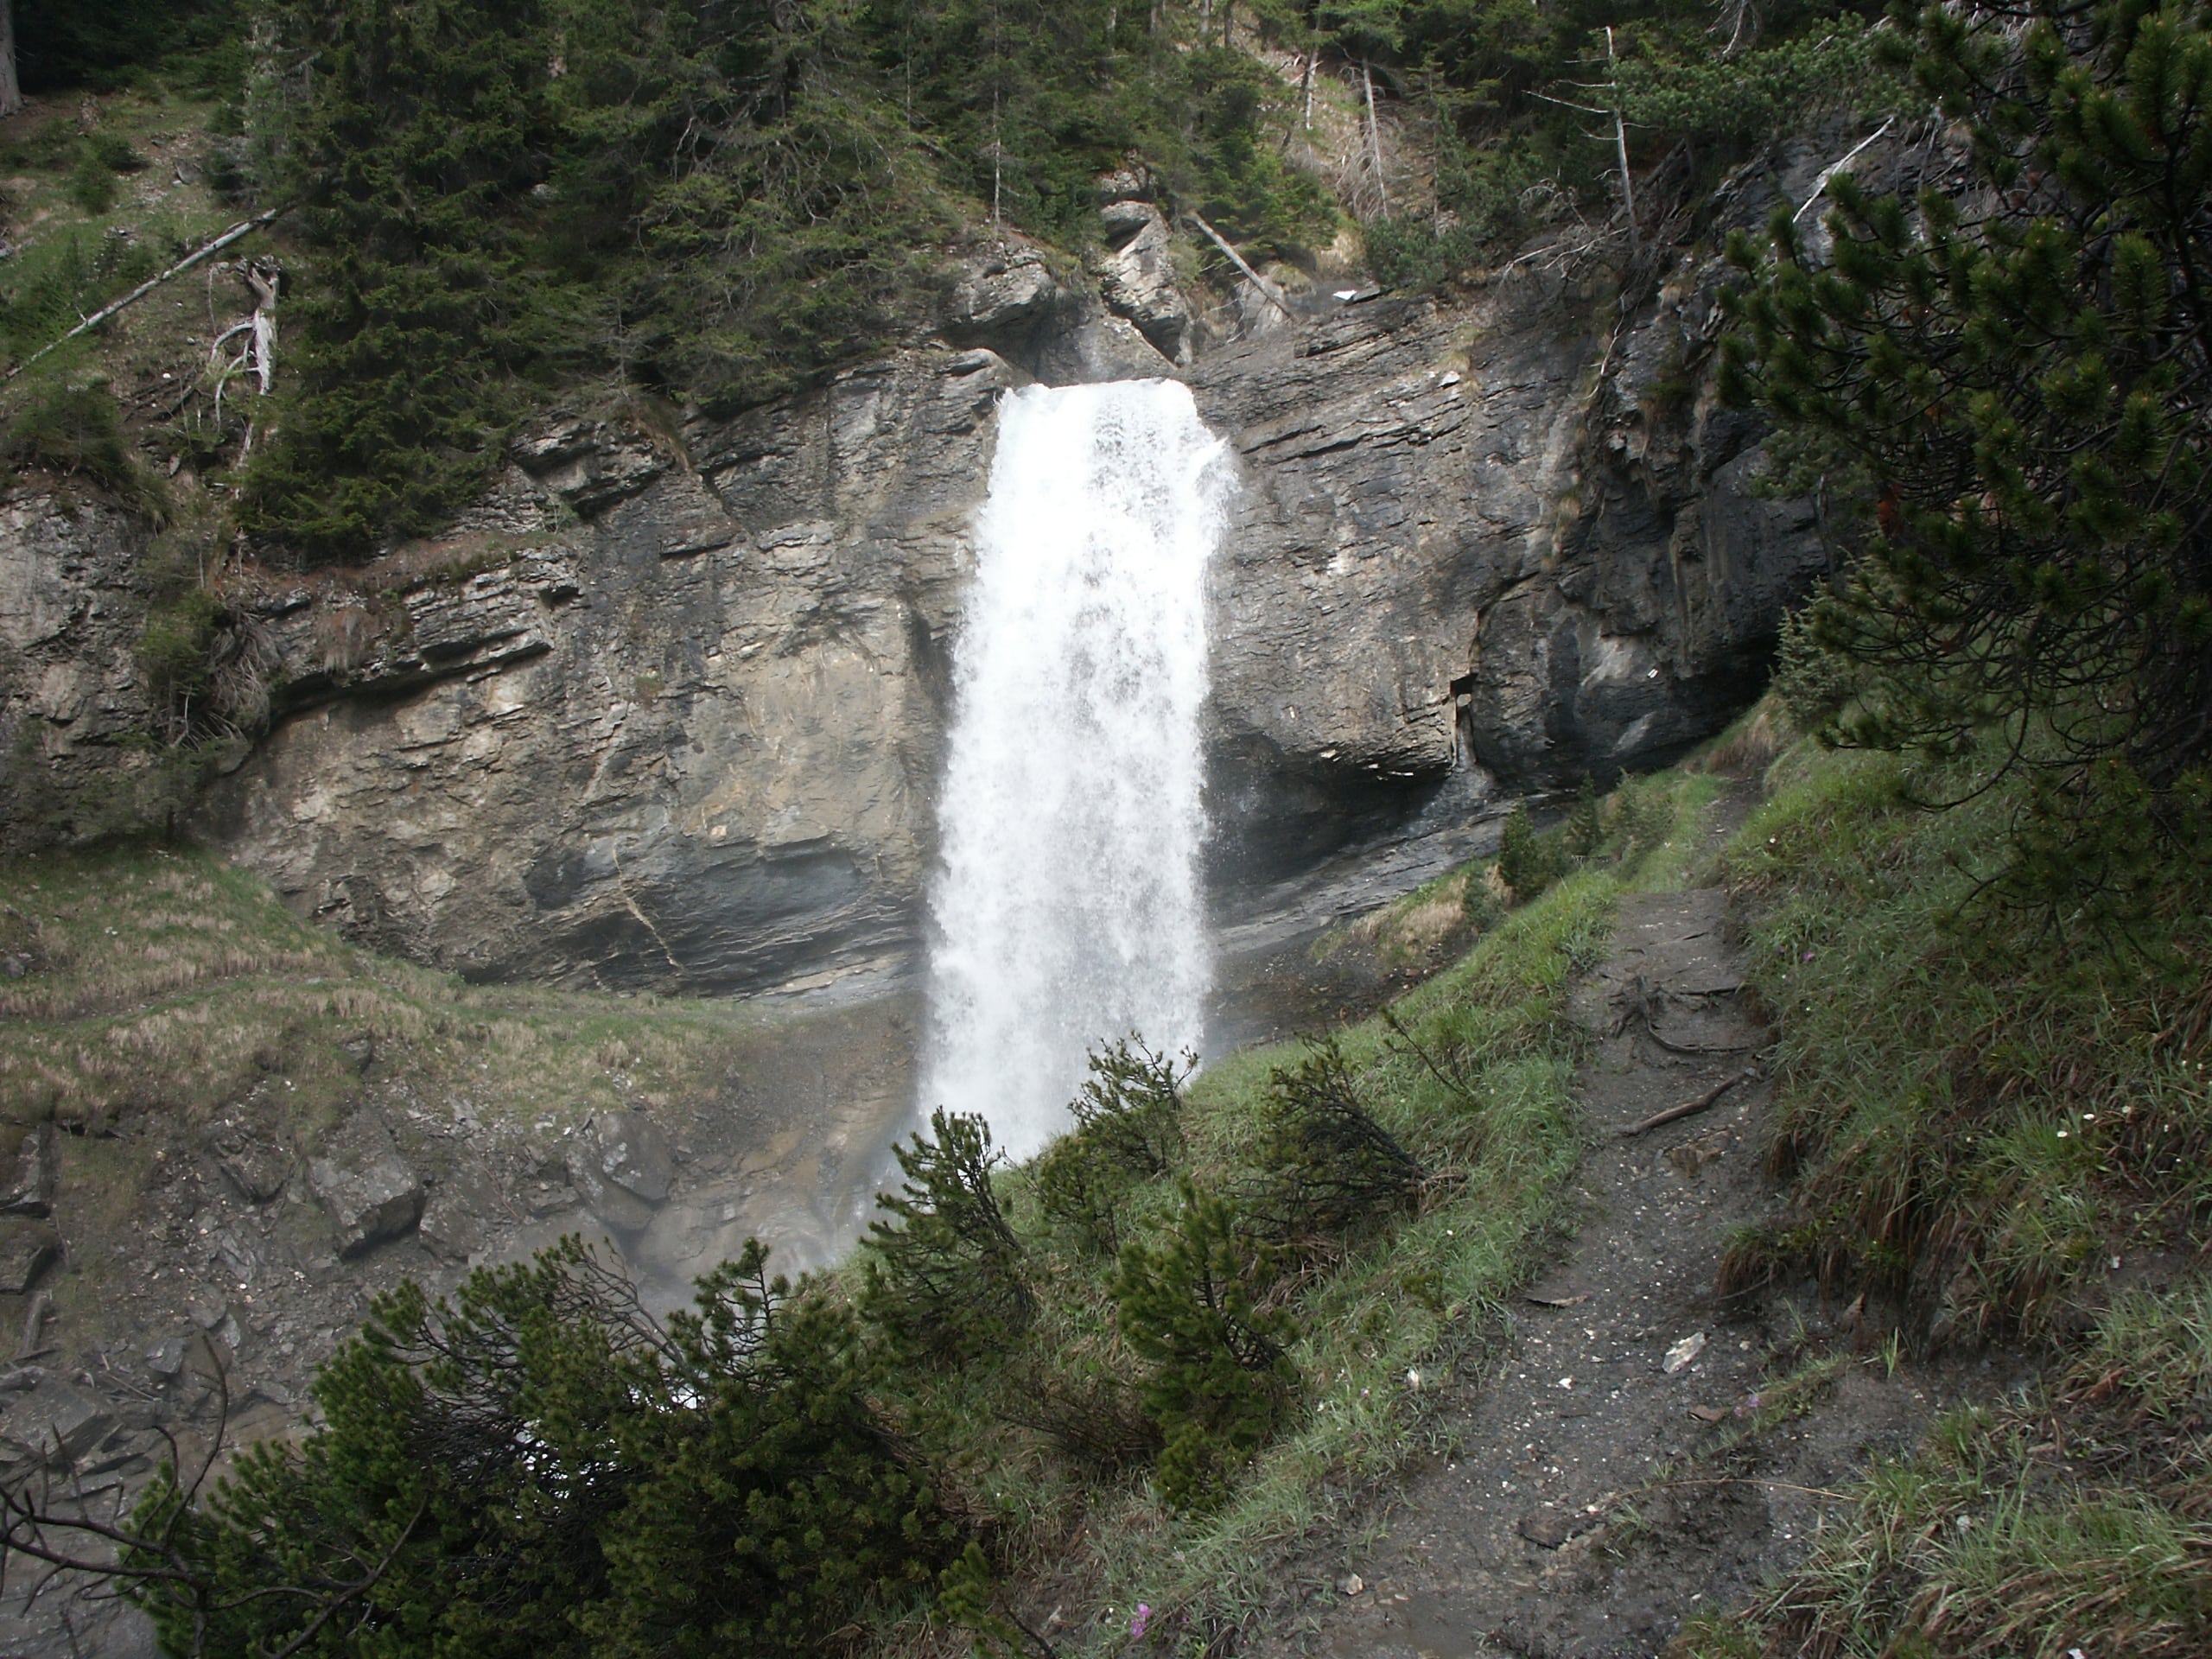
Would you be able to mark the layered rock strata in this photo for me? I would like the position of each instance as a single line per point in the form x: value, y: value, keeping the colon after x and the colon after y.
x: 665, y: 709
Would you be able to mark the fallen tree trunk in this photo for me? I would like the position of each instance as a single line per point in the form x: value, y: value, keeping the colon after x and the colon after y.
x: 246, y: 228
x: 1237, y: 259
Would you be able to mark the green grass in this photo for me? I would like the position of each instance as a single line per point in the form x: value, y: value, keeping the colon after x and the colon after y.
x: 1977, y: 1112
x: 1384, y: 1323
x: 1979, y: 1120
x: 163, y: 983
x: 2080, y: 1517
x: 79, y: 248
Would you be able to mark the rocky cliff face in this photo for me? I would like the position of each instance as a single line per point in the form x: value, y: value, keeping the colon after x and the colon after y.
x: 680, y: 726
x: 1463, y: 544
x: 666, y: 708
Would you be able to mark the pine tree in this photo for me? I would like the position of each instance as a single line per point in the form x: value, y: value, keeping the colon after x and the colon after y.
x: 1191, y: 1300
x: 1128, y: 1130
x: 1584, y: 832
x: 944, y: 1281
x: 2015, y: 378
x: 1326, y: 1169
x: 536, y: 1469
x: 1529, y: 859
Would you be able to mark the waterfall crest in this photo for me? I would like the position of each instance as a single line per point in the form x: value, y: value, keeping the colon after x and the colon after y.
x: 1067, y: 909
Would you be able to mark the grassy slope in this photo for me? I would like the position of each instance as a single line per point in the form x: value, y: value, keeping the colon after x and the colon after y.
x: 1382, y: 1327
x: 163, y: 981
x: 1990, y: 1127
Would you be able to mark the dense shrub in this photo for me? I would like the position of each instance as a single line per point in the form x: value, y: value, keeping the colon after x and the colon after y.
x: 1128, y: 1130
x: 1326, y: 1167
x: 1529, y: 860
x: 537, y: 1469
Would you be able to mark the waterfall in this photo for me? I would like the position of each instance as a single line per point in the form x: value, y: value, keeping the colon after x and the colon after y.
x: 1067, y: 910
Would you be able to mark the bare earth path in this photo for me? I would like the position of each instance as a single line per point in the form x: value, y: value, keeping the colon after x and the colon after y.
x: 1589, y: 1497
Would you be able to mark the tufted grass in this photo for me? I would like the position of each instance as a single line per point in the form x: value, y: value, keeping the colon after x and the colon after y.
x: 2073, y: 1518
x: 1984, y: 1127
x: 1976, y: 1113
x: 159, y: 982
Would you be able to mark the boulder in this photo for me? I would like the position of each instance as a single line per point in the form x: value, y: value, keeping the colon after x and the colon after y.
x: 622, y: 1167
x: 451, y: 1228
x: 1137, y: 279
x: 365, y: 1186
x: 254, y: 1151
x: 57, y: 1423
x: 29, y: 1189
x: 27, y: 1248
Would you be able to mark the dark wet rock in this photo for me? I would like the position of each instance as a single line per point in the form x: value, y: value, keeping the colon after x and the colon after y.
x: 254, y: 1154
x: 1550, y: 1528
x: 543, y: 1199
x: 457, y: 1219
x: 622, y: 1167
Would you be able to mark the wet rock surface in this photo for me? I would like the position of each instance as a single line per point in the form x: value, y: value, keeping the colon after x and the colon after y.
x: 367, y: 1190
x: 1454, y: 553
x: 188, y: 1281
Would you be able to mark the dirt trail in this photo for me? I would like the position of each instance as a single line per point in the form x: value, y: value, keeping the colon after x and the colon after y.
x: 1544, y: 1529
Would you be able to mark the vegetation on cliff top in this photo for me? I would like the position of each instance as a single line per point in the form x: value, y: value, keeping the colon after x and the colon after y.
x: 495, y: 199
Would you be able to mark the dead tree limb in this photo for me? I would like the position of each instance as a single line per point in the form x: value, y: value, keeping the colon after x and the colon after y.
x: 1620, y: 144
x: 1688, y: 1107
x: 1374, y: 138
x: 1237, y: 259
x: 1820, y: 184
x: 245, y: 227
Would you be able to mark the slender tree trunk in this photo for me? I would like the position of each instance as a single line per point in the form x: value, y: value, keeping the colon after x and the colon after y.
x: 1374, y: 138
x: 11, y: 91
x: 1620, y: 142
x: 1305, y: 92
x: 263, y: 278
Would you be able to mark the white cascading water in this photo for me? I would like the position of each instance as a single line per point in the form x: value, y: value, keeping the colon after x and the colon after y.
x: 1067, y: 909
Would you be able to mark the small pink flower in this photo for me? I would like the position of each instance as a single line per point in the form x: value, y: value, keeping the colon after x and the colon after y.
x: 1143, y: 1617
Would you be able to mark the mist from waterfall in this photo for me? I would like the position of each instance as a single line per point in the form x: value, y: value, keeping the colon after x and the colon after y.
x: 1067, y: 908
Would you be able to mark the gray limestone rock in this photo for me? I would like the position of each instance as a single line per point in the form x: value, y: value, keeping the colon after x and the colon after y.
x: 27, y: 1248
x: 621, y: 1165
x: 29, y: 1189
x: 253, y: 1151
x: 666, y: 709
x: 454, y: 1225
x: 1137, y: 278
x: 56, y: 1423
x: 367, y: 1189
